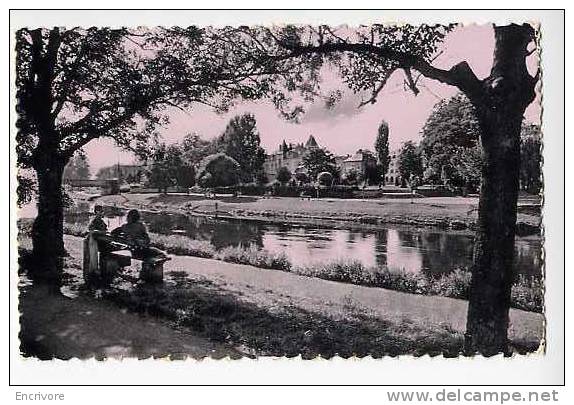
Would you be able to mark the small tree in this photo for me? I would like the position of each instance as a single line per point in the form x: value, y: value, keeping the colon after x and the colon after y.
x: 320, y: 160
x: 168, y: 169
x: 382, y: 149
x: 283, y: 175
x: 218, y: 170
x: 185, y: 176
x: 410, y: 162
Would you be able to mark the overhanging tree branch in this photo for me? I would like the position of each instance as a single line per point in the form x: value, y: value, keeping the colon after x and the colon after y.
x: 460, y: 75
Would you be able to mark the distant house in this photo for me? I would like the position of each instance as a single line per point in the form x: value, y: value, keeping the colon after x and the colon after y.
x: 393, y: 176
x: 289, y: 156
x: 361, y: 161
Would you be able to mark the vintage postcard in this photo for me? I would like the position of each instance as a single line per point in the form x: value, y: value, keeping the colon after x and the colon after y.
x: 286, y: 189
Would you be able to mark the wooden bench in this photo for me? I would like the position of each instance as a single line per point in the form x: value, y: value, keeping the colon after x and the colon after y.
x: 104, y: 266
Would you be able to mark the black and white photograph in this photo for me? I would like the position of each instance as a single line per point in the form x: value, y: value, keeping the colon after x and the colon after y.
x: 280, y: 190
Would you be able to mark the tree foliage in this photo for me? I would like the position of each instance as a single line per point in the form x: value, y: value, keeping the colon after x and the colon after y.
x: 76, y: 85
x: 319, y: 160
x: 301, y: 177
x: 353, y: 177
x: 283, y: 175
x: 382, y: 148
x: 453, y: 154
x: 218, y: 170
x: 194, y: 148
x: 450, y: 144
x: 325, y: 179
x: 410, y: 163
x: 531, y: 159
x: 169, y: 169
x: 242, y: 142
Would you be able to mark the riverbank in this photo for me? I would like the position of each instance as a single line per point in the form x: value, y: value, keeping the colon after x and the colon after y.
x: 453, y: 213
x: 276, y: 313
x: 527, y: 292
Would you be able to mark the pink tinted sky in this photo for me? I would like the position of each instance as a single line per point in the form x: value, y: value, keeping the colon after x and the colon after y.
x: 345, y: 128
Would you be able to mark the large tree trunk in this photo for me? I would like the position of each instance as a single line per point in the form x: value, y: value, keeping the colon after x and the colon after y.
x: 47, y: 231
x: 507, y: 93
x: 494, y: 249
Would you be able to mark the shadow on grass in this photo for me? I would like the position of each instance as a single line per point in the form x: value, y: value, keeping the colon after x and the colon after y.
x: 285, y: 331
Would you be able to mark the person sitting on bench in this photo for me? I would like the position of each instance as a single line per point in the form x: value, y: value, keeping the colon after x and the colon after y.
x: 135, y: 234
x: 99, y: 229
x: 97, y: 224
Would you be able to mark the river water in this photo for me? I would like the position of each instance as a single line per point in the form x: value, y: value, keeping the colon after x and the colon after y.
x: 412, y: 250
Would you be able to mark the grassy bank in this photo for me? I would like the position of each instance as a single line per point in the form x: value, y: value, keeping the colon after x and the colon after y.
x: 442, y: 212
x: 527, y: 293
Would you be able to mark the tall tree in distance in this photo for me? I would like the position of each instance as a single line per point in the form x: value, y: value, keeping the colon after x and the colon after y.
x: 242, y: 142
x: 382, y: 148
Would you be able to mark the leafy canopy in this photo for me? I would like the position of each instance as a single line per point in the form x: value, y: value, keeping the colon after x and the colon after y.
x: 450, y: 144
x: 242, y: 142
x: 218, y: 170
x: 410, y: 163
x: 319, y: 160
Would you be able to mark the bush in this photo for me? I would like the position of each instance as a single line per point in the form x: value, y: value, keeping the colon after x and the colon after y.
x: 254, y: 256
x: 527, y: 293
x: 183, y: 245
x: 76, y: 229
x: 218, y: 170
x: 283, y: 175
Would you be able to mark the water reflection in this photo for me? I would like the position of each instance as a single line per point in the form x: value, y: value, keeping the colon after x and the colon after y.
x: 431, y: 252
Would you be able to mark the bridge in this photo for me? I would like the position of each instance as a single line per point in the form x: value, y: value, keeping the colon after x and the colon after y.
x: 108, y: 186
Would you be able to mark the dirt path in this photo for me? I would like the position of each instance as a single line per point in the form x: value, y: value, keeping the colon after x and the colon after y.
x: 54, y: 326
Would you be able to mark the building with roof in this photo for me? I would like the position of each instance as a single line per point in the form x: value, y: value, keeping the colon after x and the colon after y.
x: 289, y: 156
x: 361, y: 161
